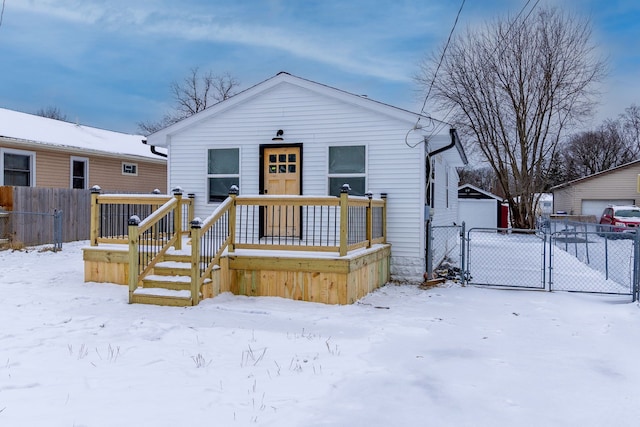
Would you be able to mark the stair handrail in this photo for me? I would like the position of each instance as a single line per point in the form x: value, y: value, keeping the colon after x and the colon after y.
x: 209, y: 239
x: 157, y: 242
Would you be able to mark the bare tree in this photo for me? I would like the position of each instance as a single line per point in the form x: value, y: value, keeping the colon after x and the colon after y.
x: 52, y: 113
x: 630, y: 121
x: 481, y: 177
x: 513, y: 86
x: 192, y: 94
x: 595, y: 151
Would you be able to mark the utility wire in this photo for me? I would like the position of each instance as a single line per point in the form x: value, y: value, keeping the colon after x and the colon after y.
x: 444, y: 51
x: 2, y: 12
x: 424, y: 104
x: 504, y: 46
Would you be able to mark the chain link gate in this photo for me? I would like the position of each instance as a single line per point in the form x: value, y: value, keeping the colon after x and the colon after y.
x: 560, y: 256
x: 445, y: 250
x: 511, y: 258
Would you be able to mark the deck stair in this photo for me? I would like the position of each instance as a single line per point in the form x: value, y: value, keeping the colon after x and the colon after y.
x: 169, y: 284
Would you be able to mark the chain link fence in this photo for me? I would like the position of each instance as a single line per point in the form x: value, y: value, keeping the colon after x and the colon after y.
x: 587, y: 257
x: 561, y: 255
x: 445, y: 250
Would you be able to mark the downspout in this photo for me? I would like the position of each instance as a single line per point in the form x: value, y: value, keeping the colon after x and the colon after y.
x: 153, y: 149
x: 428, y: 249
x: 454, y: 140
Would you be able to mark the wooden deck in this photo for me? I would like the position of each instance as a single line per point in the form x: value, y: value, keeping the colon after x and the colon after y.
x: 337, y: 255
x: 305, y: 276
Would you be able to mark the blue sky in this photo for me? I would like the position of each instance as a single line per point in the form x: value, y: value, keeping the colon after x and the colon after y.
x: 109, y: 63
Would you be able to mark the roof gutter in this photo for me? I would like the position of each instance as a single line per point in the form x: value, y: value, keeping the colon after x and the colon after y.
x: 153, y: 149
x: 455, y: 142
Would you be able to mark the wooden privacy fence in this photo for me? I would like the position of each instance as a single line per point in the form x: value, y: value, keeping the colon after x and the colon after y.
x: 32, y: 212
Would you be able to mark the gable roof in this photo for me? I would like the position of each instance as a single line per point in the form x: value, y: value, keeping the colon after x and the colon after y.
x: 596, y: 175
x: 162, y: 138
x: 473, y: 189
x: 32, y: 131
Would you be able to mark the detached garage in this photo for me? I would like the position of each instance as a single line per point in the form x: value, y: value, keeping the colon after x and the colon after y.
x: 590, y: 195
x: 478, y: 208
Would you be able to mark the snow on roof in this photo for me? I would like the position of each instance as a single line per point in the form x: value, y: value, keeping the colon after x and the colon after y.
x: 32, y: 128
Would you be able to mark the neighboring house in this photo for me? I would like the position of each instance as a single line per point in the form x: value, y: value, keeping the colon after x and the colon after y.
x: 314, y: 138
x: 478, y: 208
x: 591, y: 195
x: 545, y: 204
x: 41, y: 152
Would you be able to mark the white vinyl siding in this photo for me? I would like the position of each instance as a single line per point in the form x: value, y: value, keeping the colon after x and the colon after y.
x: 316, y: 121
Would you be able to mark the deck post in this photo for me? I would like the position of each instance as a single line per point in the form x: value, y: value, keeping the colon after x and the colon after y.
x: 133, y: 255
x: 233, y: 193
x: 344, y: 218
x: 196, y: 233
x: 95, y: 216
x: 177, y: 217
x: 383, y: 196
x: 191, y: 210
x: 369, y: 237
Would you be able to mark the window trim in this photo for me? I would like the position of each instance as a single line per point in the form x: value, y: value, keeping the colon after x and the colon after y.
x: 221, y: 175
x: 32, y: 164
x: 129, y: 164
x: 364, y: 174
x: 85, y: 160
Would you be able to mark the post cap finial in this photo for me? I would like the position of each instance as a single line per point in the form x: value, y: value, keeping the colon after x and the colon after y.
x: 234, y: 190
x: 96, y: 189
x: 345, y: 188
x: 134, y: 220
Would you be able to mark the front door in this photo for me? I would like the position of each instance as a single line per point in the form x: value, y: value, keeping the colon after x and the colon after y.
x: 282, y: 177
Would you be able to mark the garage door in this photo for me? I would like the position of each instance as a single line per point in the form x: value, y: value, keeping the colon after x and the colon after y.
x: 595, y: 207
x: 478, y: 213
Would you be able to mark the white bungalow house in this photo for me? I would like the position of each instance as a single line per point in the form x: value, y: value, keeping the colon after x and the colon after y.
x: 289, y: 135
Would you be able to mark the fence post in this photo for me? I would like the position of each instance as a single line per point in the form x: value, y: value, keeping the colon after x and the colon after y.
x: 95, y: 216
x: 429, y: 249
x: 463, y: 276
x: 57, y: 230
x: 177, y: 218
x: 233, y: 193
x: 383, y: 196
x: 133, y: 223
x: 196, y: 228
x: 369, y: 236
x: 636, y: 267
x: 344, y: 218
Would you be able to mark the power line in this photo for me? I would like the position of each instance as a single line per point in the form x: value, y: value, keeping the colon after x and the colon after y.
x: 504, y: 46
x: 2, y: 12
x: 424, y: 104
x: 416, y: 126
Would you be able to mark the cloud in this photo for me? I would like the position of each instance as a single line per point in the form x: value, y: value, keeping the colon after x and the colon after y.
x: 357, y: 47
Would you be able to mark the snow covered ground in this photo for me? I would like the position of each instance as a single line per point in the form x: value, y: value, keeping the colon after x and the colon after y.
x: 76, y: 354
